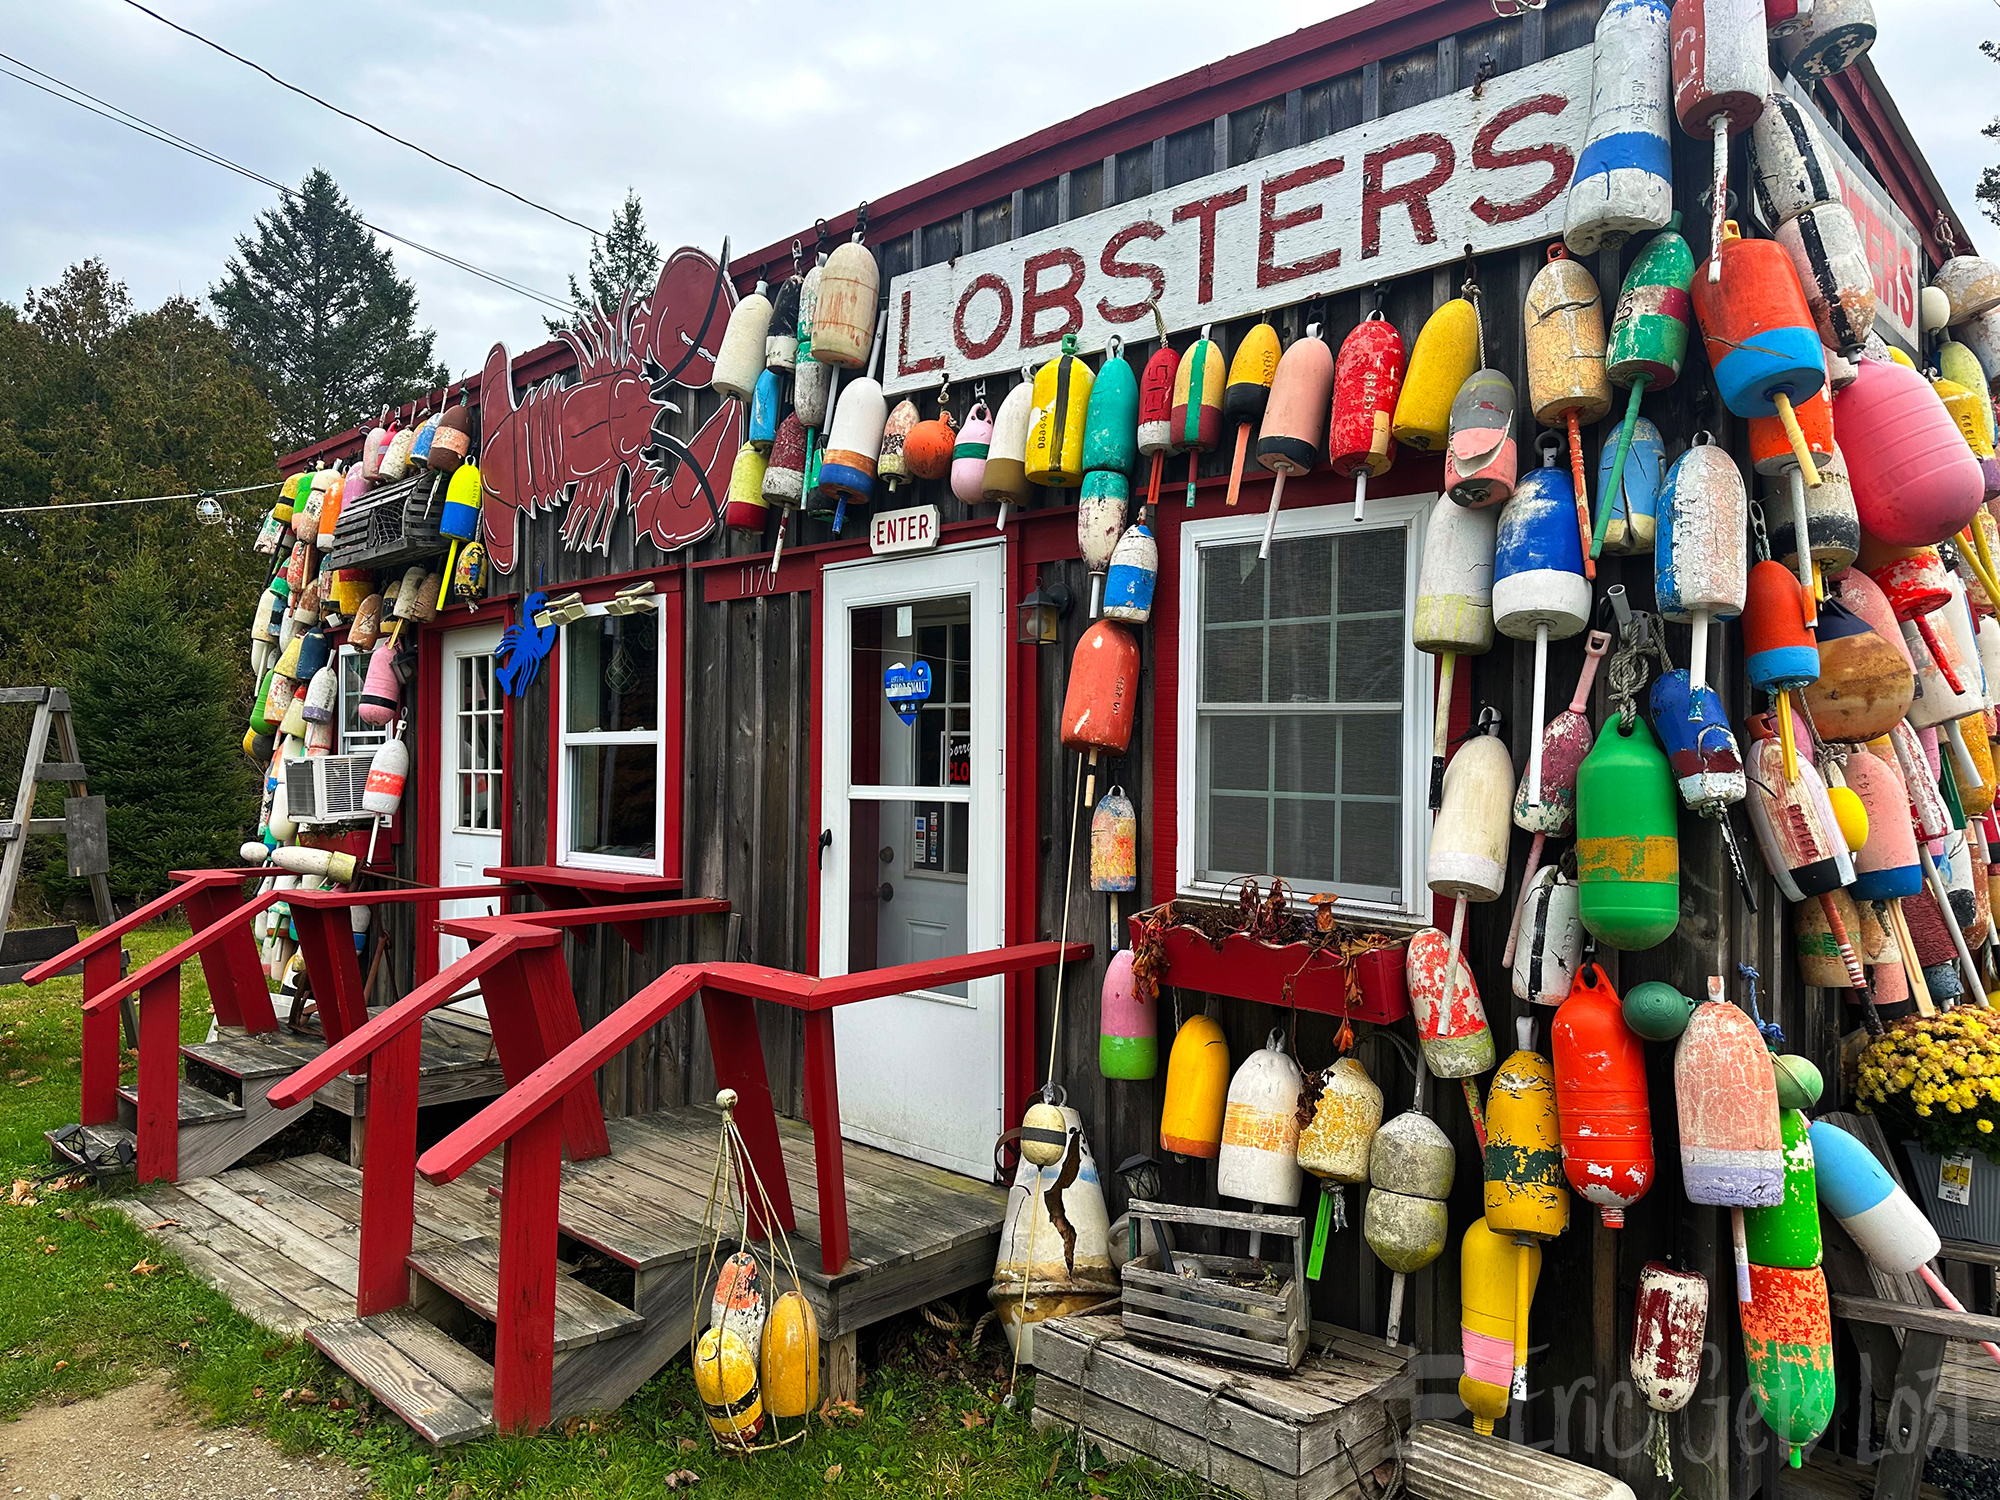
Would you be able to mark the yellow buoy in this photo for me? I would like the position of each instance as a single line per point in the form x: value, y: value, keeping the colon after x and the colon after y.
x: 1445, y: 357
x: 1197, y: 1089
x: 1055, y: 421
x: 1977, y: 800
x: 1525, y: 1190
x: 725, y: 1377
x: 791, y: 1358
x: 1851, y: 815
x: 1901, y: 358
x: 1489, y: 1270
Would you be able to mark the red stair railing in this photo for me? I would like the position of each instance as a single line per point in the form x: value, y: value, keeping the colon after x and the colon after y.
x: 517, y: 962
x: 528, y: 1121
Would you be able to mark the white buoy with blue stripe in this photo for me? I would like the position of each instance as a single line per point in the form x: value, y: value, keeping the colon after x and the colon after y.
x: 1539, y: 588
x: 1623, y: 183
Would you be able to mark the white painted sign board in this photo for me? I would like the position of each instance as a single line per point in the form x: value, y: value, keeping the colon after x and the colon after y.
x: 913, y: 530
x: 1407, y: 192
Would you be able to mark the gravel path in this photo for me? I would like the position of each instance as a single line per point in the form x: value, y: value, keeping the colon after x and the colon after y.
x: 142, y: 1441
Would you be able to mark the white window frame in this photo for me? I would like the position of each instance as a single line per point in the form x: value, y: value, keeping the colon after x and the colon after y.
x: 1408, y: 513
x: 566, y: 854
x: 367, y: 736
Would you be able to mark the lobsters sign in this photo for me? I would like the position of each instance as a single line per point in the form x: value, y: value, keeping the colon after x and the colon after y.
x: 1485, y: 167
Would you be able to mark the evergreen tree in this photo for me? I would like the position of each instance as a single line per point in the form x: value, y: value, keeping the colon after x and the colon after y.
x: 622, y: 260
x: 154, y: 716
x: 1988, y: 191
x: 316, y: 307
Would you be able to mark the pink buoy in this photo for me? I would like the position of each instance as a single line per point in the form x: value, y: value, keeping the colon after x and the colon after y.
x: 1915, y: 481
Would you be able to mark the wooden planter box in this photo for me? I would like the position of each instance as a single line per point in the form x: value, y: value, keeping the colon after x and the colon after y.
x: 1249, y: 1311
x: 1313, y: 1435
x: 1247, y: 969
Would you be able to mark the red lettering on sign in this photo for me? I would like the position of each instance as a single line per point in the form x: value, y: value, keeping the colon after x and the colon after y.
x: 1205, y: 210
x: 1111, y: 265
x: 1555, y: 156
x: 1414, y: 195
x: 1271, y: 224
x: 971, y: 348
x: 1036, y: 300
x: 903, y: 365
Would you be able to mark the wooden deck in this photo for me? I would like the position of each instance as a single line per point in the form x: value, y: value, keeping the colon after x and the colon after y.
x: 280, y: 1240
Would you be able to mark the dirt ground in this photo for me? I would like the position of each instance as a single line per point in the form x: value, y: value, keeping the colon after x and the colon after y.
x: 143, y: 1441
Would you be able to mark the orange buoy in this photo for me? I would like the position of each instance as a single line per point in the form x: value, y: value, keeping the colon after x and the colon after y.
x: 1762, y: 344
x: 1607, y: 1133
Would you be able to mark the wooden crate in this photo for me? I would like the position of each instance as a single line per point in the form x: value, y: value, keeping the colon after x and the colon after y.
x: 1211, y: 1309
x: 1314, y: 1434
x: 1442, y: 1462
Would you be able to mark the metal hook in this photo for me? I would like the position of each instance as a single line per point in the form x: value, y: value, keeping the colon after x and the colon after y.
x: 798, y: 255
x: 861, y: 221
x: 820, y: 236
x: 979, y: 390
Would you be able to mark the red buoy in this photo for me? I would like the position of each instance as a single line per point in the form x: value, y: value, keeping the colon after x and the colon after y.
x: 1607, y: 1135
x: 1367, y: 378
x: 1103, y: 690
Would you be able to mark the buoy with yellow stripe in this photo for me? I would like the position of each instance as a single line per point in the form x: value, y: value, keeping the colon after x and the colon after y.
x: 1525, y: 1194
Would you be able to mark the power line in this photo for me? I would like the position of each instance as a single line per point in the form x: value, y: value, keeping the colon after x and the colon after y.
x: 358, y: 120
x: 23, y: 510
x: 121, y: 116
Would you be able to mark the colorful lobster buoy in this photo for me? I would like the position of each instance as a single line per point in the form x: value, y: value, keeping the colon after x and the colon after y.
x: 1566, y: 349
x: 968, y: 455
x: 1762, y: 345
x: 1006, y: 473
x: 1252, y: 368
x: 781, y: 334
x: 1411, y: 1165
x: 790, y: 1363
x: 1100, y: 521
x: 1732, y: 1146
x: 1912, y: 580
x: 1114, y: 851
x: 1566, y: 740
x: 1825, y: 247
x: 1056, y: 420
x: 1524, y: 1192
x: 1259, y: 1159
x: 1915, y: 481
x: 1294, y: 418
x: 1196, y: 415
x: 1669, y: 1338
x: 1791, y: 166
x: 1197, y: 1090
x: 1156, y: 410
x: 745, y: 509
x: 1129, y: 581
x: 1452, y: 1031
x: 1831, y: 42
x: 1788, y: 1235
x: 1481, y: 455
x: 1445, y: 356
x: 1971, y: 286
x: 1624, y: 179
x: 1367, y: 379
x: 1111, y: 420
x: 1833, y: 526
x: 1550, y: 919
x: 1492, y: 1269
x: 1772, y: 455
x: 1334, y: 1144
x: 740, y: 358
x: 1628, y: 861
x: 1454, y: 613
x: 1799, y: 836
x: 1788, y: 1346
x: 1539, y: 585
x: 1042, y: 1270
x: 1633, y: 498
x: 892, y: 467
x: 1699, y: 554
x: 1705, y: 759
x: 1779, y: 656
x: 843, y: 328
x: 1865, y: 684
x: 1600, y: 1077
x: 1102, y: 695
x: 1721, y: 70
x: 1648, y: 345
x: 1468, y: 849
x: 854, y: 441
x: 1128, y: 1043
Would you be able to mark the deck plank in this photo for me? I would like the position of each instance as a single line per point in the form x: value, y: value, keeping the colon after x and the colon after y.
x: 253, y: 1298
x: 451, y: 1212
x: 332, y: 1265
x: 266, y: 1191
x: 406, y: 1385
x: 314, y: 1297
x: 471, y: 1273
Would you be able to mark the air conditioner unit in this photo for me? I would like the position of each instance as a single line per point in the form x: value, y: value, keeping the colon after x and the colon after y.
x: 327, y: 788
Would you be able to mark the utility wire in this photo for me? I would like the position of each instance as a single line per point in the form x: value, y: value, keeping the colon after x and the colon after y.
x: 23, y: 510
x: 121, y: 116
x: 358, y: 120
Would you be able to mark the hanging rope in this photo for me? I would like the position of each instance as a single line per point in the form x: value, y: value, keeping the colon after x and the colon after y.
x: 1069, y: 889
x: 1630, y: 668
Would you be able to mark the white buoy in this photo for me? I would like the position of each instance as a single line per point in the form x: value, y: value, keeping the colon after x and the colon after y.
x: 1623, y: 183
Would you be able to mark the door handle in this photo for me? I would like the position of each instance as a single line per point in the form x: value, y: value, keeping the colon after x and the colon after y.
x: 825, y: 841
x: 887, y: 892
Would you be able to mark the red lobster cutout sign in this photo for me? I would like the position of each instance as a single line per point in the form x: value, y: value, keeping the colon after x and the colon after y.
x: 583, y: 437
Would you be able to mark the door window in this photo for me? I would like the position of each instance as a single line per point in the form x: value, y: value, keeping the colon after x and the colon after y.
x: 478, y: 716
x: 613, y: 691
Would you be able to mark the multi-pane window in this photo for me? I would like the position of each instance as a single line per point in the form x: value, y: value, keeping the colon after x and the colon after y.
x: 478, y: 714
x: 354, y: 734
x: 613, y: 683
x: 1300, y: 694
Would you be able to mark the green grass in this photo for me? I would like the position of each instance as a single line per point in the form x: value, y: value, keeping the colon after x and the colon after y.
x: 77, y: 1319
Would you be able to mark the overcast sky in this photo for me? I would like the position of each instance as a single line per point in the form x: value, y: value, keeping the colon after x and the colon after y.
x: 749, y: 118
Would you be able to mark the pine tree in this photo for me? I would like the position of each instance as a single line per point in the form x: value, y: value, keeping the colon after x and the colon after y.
x: 1988, y: 191
x: 622, y: 260
x: 316, y: 307
x: 153, y: 714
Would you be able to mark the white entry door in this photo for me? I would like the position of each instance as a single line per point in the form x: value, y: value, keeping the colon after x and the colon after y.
x: 471, y: 715
x: 915, y: 866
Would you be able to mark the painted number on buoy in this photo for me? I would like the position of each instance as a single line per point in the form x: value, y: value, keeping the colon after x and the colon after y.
x: 913, y: 530
x: 1485, y: 167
